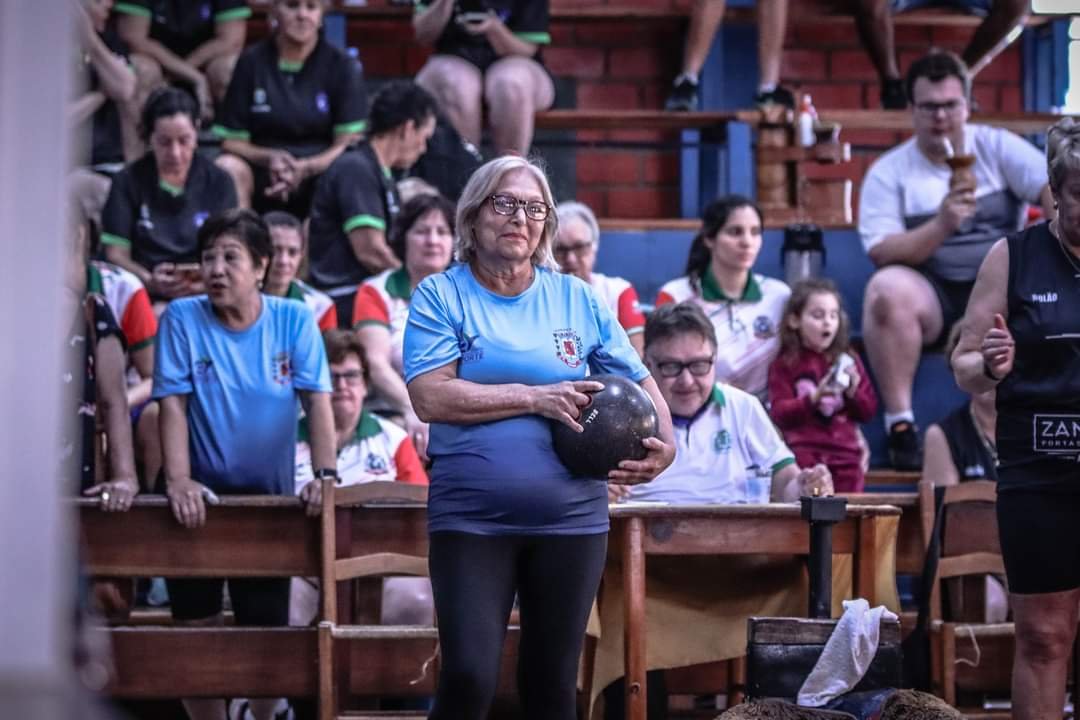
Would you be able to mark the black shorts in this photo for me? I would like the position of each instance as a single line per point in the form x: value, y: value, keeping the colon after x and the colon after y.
x: 952, y: 297
x: 255, y: 601
x: 1039, y: 539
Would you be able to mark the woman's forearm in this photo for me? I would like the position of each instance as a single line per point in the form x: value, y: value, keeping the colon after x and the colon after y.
x: 112, y: 403
x: 389, y: 384
x: 317, y: 164
x: 429, y: 24
x: 321, y: 429
x: 505, y: 43
x: 453, y: 400
x: 174, y: 438
x: 255, y: 154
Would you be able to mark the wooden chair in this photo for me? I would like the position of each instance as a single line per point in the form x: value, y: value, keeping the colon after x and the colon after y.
x: 967, y: 655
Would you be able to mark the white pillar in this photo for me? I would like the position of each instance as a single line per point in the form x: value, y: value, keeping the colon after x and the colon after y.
x: 36, y: 533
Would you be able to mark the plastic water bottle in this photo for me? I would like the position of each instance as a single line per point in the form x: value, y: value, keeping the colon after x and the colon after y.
x: 803, y: 252
x: 805, y: 121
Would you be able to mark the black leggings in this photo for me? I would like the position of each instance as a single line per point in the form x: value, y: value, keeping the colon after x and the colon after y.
x: 474, y: 579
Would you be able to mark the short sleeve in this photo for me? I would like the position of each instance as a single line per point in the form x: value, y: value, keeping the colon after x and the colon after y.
x: 530, y: 22
x: 310, y: 370
x: 328, y: 319
x: 614, y: 354
x: 139, y: 8
x: 369, y: 308
x: 235, y: 121
x: 358, y: 196
x: 763, y: 443
x: 172, y: 359
x: 228, y: 10
x: 105, y: 324
x: 630, y: 315
x: 348, y: 106
x: 139, y: 323
x: 225, y: 191
x: 664, y: 298
x: 1023, y: 167
x: 431, y: 340
x: 118, y: 215
x: 880, y: 206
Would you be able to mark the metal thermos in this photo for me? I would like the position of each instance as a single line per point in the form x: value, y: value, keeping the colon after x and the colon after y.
x: 803, y: 252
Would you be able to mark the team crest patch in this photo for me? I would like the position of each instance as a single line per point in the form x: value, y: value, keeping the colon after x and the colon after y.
x: 322, y: 103
x: 467, y: 347
x: 282, y: 368
x: 763, y: 327
x: 722, y: 441
x: 203, y: 370
x: 199, y: 218
x: 568, y: 347
x: 375, y: 464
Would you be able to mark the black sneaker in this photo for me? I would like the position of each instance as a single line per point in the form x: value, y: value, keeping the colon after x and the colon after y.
x: 893, y: 96
x: 684, y: 96
x: 779, y: 95
x: 904, y: 452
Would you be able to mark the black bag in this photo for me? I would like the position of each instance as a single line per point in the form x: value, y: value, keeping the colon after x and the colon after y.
x: 449, y: 161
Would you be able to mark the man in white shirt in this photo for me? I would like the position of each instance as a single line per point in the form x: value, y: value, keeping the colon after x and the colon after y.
x: 928, y: 231
x: 727, y: 449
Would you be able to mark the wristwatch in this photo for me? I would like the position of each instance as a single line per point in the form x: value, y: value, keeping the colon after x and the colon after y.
x: 327, y: 473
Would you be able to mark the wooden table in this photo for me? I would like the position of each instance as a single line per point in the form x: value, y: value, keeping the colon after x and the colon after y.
x: 775, y: 529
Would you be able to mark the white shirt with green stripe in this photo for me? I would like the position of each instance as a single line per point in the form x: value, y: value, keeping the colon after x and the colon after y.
x: 726, y: 454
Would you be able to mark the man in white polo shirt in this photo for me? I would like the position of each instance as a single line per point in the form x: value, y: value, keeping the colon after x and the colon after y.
x: 727, y: 449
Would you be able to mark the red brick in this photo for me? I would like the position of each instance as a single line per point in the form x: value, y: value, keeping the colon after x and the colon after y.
x: 641, y: 136
x: 654, y: 33
x: 387, y: 31
x: 561, y: 34
x: 575, y: 62
x: 825, y: 34
x: 1004, y: 68
x: 830, y: 171
x: 851, y: 64
x: 985, y: 96
x: 608, y: 167
x: 911, y: 36
x: 869, y: 138
x: 652, y: 202
x: 951, y: 36
x: 803, y: 64
x: 640, y: 62
x: 660, y: 167
x: 608, y: 96
x: 1012, y: 99
x: 383, y: 61
x: 415, y: 57
x: 595, y: 199
x: 835, y: 95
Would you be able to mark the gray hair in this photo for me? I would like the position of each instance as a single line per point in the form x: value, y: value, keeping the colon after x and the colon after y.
x: 572, y: 211
x: 477, y: 191
x: 1062, y: 150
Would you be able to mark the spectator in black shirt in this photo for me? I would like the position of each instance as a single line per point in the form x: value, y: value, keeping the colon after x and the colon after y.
x: 356, y: 198
x: 194, y: 41
x: 157, y: 203
x: 487, y: 52
x: 294, y: 103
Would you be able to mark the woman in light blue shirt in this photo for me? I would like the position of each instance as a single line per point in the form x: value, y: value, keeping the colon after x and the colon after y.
x: 496, y: 348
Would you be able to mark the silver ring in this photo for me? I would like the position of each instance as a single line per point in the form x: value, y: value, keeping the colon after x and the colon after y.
x: 105, y: 496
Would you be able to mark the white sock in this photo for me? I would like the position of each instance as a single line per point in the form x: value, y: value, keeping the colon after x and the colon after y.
x: 692, y: 77
x: 902, y: 416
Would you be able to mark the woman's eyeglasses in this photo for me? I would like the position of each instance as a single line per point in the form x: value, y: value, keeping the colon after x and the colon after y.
x: 508, y: 205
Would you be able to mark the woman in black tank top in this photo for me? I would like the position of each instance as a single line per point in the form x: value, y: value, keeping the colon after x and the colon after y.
x: 1021, y: 334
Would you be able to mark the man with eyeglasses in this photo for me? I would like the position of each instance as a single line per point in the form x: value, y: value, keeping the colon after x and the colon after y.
x: 928, y: 231
x: 726, y: 448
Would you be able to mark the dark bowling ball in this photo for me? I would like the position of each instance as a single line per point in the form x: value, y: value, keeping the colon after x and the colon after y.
x: 616, y: 420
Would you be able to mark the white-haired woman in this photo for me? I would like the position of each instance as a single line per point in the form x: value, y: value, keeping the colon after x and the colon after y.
x: 1020, y: 336
x: 495, y: 348
x: 575, y: 250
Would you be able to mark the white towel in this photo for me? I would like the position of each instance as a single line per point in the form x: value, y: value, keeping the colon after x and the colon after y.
x: 847, y: 654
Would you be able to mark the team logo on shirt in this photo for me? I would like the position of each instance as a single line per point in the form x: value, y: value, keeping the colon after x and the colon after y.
x: 281, y: 368
x: 203, y: 370
x: 375, y: 464
x: 322, y: 103
x: 721, y: 441
x: 258, y: 99
x: 1057, y: 434
x: 467, y: 347
x: 763, y: 327
x: 199, y: 218
x: 568, y: 347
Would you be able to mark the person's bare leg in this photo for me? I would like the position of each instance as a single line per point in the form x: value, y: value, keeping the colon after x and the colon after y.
x: 264, y: 708
x: 457, y: 86
x: 874, y: 23
x: 407, y: 601
x: 89, y: 191
x: 218, y: 74
x: 241, y: 175
x: 514, y: 89
x: 995, y: 33
x: 1045, y: 630
x: 900, y: 315
x: 772, y: 27
x: 704, y: 21
x: 148, y: 78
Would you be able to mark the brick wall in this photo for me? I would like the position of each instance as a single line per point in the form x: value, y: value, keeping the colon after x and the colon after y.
x: 619, y: 63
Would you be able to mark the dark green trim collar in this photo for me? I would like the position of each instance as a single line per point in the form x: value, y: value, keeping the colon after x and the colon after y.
x: 368, y: 426
x: 711, y: 292
x: 717, y: 396
x: 398, y: 286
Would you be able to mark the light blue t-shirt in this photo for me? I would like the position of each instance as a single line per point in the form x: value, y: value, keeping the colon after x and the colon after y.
x: 503, y: 477
x: 241, y: 388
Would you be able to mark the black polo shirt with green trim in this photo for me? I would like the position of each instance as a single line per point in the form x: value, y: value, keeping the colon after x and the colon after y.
x: 354, y: 192
x: 159, y: 222
x: 527, y: 19
x: 299, y: 108
x: 184, y: 25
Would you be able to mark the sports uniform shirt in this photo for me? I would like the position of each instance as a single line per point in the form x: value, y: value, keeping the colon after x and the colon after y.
x: 241, y: 389
x: 184, y: 25
x: 321, y: 305
x: 275, y: 104
x: 526, y: 19
x: 622, y: 298
x: 747, y: 327
x: 1038, y: 403
x: 378, y: 451
x: 970, y: 454
x: 384, y: 300
x: 726, y: 454
x: 128, y: 301
x: 904, y: 189
x: 354, y: 192
x: 159, y: 222
x: 503, y: 477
